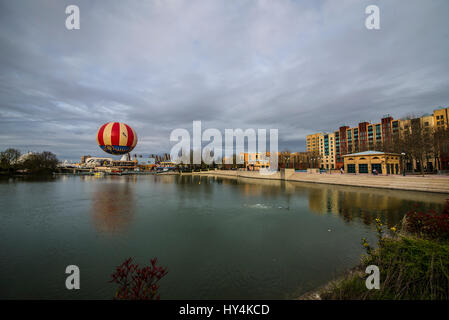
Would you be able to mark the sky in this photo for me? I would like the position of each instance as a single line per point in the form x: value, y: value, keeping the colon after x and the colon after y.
x: 297, y: 66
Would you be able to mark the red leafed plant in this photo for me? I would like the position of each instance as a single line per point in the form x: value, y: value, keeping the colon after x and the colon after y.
x: 430, y: 224
x: 138, y: 283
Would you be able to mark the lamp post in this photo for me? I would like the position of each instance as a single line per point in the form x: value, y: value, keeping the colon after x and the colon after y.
x: 403, y: 163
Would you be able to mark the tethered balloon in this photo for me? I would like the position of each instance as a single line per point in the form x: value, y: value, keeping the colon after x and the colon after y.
x: 116, y: 138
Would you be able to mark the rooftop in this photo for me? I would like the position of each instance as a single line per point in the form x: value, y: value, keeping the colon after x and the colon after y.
x: 368, y: 153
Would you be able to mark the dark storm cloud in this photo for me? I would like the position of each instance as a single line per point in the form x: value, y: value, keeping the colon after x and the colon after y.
x: 302, y: 67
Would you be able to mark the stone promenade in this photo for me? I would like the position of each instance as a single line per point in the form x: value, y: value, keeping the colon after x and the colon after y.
x: 428, y: 183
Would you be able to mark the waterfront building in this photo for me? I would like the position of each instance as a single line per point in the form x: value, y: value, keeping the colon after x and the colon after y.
x: 327, y: 151
x: 313, y: 142
x: 84, y: 158
x: 167, y: 164
x: 384, y: 136
x: 366, y: 136
x: 367, y: 161
x: 441, y: 117
x: 108, y: 164
x: 321, y: 149
x: 254, y: 161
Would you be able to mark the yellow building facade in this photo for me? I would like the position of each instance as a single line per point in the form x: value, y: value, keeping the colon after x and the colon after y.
x: 313, y: 142
x: 327, y: 151
x: 441, y: 118
x: 255, y: 160
x: 369, y: 161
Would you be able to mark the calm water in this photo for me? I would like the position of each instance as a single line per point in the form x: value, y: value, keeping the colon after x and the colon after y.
x: 220, y: 237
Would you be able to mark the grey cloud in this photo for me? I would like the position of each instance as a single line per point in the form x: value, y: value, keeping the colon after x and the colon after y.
x: 301, y: 67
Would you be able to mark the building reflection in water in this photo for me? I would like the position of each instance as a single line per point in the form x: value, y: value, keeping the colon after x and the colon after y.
x: 367, y: 204
x: 113, y: 198
x: 113, y: 203
x: 350, y: 203
x: 193, y: 190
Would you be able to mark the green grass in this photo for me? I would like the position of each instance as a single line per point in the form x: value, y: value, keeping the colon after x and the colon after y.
x: 410, y: 268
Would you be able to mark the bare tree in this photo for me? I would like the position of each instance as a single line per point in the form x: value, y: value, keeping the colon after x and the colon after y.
x: 8, y: 158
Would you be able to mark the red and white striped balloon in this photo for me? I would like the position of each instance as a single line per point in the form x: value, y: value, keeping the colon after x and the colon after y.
x: 116, y: 138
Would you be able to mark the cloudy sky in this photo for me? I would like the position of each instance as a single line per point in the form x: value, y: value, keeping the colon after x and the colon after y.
x: 157, y: 65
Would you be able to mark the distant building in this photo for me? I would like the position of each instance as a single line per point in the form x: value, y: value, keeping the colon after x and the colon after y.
x: 167, y: 164
x: 254, y: 161
x: 92, y: 162
x: 108, y: 164
x: 24, y: 157
x: 84, y: 158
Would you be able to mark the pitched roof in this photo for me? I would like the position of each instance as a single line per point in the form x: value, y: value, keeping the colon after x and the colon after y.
x: 368, y: 153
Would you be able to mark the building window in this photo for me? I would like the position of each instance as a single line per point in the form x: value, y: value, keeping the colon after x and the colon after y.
x: 363, y: 168
x: 351, y: 168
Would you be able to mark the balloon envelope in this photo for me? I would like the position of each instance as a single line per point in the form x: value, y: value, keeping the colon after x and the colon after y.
x: 116, y: 138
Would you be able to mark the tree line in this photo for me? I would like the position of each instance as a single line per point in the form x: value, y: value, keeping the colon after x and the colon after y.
x: 11, y: 161
x: 421, y: 145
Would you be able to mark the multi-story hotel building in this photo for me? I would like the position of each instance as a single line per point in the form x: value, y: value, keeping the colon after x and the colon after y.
x: 323, y: 148
x: 370, y: 136
x: 313, y: 142
x: 441, y: 118
x: 327, y: 151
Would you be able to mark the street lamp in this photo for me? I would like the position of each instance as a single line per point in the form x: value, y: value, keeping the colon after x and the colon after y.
x: 403, y: 163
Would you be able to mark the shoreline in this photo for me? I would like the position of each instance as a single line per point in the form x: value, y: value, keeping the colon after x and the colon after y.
x: 434, y: 184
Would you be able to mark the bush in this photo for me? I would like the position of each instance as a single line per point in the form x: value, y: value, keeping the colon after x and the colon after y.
x: 429, y: 224
x: 138, y: 283
x: 410, y: 268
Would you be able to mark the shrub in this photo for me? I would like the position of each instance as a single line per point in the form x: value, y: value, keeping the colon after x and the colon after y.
x: 429, y: 224
x: 410, y: 268
x: 138, y: 283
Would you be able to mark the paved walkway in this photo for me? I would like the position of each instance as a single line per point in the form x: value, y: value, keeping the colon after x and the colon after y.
x: 429, y: 183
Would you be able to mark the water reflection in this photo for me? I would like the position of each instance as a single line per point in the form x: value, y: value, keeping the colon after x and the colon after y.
x: 28, y: 178
x: 113, y: 203
x: 234, y: 236
x: 350, y: 203
x: 368, y: 203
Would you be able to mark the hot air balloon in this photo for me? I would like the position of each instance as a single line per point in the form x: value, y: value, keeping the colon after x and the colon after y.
x: 116, y: 138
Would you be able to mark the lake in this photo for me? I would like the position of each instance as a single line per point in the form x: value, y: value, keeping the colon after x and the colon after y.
x: 221, y: 238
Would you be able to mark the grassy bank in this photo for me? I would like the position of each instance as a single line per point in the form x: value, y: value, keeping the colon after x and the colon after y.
x: 410, y: 268
x: 413, y: 263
